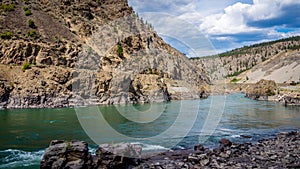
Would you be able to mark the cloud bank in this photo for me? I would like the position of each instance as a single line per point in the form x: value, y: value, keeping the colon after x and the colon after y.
x: 227, y: 24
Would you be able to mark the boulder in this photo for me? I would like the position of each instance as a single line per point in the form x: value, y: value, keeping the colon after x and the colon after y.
x: 64, y: 154
x: 122, y: 155
x: 225, y: 143
x: 262, y: 90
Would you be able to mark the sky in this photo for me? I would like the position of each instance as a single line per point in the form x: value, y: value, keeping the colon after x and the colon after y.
x: 206, y: 27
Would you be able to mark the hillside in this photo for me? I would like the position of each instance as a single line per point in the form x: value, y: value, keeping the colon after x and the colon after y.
x: 276, y: 60
x: 69, y: 52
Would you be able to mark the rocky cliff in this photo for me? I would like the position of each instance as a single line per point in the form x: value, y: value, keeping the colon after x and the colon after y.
x: 70, y: 52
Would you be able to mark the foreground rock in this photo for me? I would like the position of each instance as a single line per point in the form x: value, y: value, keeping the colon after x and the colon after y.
x: 75, y: 154
x: 280, y: 152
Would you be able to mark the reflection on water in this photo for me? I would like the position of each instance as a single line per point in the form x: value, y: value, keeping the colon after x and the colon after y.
x: 34, y: 128
x: 260, y: 114
x: 139, y: 123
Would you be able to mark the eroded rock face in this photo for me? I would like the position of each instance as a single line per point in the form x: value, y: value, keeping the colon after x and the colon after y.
x: 262, y: 89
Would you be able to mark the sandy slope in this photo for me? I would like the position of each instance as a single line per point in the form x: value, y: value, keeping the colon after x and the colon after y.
x: 282, y: 68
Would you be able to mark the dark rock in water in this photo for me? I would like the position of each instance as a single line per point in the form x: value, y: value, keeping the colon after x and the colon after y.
x: 246, y: 136
x: 64, y: 154
x: 199, y: 147
x: 225, y: 142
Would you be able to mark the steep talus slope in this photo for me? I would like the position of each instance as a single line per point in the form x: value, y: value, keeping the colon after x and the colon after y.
x: 61, y: 53
x: 260, y: 59
x: 283, y: 68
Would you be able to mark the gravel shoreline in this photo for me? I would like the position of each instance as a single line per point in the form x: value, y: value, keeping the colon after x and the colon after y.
x: 282, y: 151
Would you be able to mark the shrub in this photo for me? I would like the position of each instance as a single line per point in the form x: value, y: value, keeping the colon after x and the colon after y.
x: 31, y: 23
x: 6, y: 7
x: 25, y: 8
x: 26, y: 66
x: 32, y: 34
x: 6, y: 35
x: 27, y: 11
x: 120, y: 50
x: 235, y: 80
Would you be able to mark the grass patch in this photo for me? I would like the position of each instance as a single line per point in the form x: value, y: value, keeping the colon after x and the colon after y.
x: 26, y: 66
x: 6, y: 35
x: 235, y: 80
x: 27, y: 11
x: 6, y: 7
x: 31, y: 24
x: 32, y: 34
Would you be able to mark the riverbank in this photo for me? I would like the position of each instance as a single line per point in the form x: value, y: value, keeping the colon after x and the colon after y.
x: 264, y: 90
x: 281, y: 151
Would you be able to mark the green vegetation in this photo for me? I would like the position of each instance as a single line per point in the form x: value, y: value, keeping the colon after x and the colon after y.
x: 235, y: 80
x: 236, y: 73
x: 120, y: 50
x: 26, y: 66
x: 68, y: 145
x: 32, y: 34
x: 31, y: 23
x: 27, y: 11
x: 296, y: 47
x: 6, y: 7
x: 6, y: 35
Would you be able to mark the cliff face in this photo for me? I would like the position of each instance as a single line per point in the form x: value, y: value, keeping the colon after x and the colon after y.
x: 63, y: 53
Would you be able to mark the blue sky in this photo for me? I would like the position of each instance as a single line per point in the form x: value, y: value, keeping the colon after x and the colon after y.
x: 205, y: 27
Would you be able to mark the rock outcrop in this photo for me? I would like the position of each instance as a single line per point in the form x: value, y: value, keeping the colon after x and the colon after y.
x: 89, y: 52
x: 281, y: 151
x: 262, y: 90
x: 75, y: 154
x: 63, y: 154
x: 289, y: 100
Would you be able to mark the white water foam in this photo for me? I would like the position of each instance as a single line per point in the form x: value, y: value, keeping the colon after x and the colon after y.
x: 150, y: 147
x: 19, y: 158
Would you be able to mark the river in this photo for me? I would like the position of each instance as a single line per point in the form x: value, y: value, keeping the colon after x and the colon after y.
x: 25, y: 133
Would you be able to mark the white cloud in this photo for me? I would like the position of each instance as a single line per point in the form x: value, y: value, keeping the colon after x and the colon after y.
x: 234, y: 18
x: 228, y: 24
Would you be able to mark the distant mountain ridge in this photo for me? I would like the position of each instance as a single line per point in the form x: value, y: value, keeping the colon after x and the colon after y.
x: 275, y: 60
